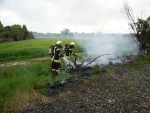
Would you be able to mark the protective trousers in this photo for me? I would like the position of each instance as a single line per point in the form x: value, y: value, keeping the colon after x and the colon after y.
x: 56, y: 67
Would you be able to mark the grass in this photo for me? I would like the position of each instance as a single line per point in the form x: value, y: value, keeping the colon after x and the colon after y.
x: 142, y: 58
x: 33, y: 48
x: 19, y: 80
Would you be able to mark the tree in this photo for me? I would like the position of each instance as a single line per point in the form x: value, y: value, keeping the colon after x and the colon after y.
x: 143, y: 30
x: 65, y: 32
x: 131, y: 19
x: 30, y: 35
x: 25, y: 31
x: 16, y: 32
x: 7, y: 31
x: 139, y: 27
x: 1, y: 32
x: 1, y: 27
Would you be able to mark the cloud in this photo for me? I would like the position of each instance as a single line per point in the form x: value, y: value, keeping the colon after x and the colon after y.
x: 76, y: 15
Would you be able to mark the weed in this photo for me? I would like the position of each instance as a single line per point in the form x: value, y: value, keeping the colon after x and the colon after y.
x: 96, y: 69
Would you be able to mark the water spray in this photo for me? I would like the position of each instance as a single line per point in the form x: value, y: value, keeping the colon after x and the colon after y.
x: 67, y: 61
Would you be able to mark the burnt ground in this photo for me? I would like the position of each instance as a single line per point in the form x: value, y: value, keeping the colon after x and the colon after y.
x: 121, y: 89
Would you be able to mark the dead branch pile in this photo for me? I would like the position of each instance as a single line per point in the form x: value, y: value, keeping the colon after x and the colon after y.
x: 79, y: 68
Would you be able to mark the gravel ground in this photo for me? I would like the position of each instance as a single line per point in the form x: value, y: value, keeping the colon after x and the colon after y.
x: 127, y: 90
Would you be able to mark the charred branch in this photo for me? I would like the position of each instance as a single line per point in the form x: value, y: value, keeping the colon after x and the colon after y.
x: 92, y: 61
x: 80, y: 67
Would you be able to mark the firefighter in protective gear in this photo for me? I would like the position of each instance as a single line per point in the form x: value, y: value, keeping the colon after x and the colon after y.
x: 69, y: 51
x: 56, y: 58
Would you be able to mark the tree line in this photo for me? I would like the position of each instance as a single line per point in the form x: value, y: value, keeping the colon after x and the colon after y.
x: 14, y: 32
x: 81, y: 35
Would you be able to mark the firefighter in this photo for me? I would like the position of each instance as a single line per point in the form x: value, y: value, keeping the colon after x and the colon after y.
x: 56, y: 59
x: 68, y: 51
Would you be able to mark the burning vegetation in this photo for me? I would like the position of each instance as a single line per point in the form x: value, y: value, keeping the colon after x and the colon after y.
x: 75, y: 67
x: 84, y: 65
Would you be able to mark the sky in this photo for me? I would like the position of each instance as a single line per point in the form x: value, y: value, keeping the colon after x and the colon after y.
x: 52, y: 16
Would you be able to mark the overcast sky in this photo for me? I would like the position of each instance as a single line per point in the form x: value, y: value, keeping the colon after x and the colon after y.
x: 77, y: 15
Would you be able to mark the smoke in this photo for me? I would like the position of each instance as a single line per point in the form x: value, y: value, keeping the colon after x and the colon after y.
x: 114, y: 46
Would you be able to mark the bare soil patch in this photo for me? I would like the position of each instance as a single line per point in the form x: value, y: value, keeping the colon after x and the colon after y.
x: 15, y: 63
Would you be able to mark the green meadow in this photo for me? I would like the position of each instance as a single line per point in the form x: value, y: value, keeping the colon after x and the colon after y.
x: 27, y: 49
x: 21, y: 79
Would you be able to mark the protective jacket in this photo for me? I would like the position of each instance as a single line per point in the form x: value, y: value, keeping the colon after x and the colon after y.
x: 57, y: 54
x: 56, y: 59
x: 69, y: 51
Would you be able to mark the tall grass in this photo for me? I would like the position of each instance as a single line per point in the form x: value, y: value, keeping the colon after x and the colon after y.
x: 30, y: 48
x: 142, y: 58
x: 23, y: 53
x: 18, y: 79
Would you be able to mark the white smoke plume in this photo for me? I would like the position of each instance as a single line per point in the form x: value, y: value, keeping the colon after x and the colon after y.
x: 114, y: 46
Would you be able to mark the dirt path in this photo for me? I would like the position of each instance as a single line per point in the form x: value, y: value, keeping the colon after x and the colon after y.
x: 15, y: 63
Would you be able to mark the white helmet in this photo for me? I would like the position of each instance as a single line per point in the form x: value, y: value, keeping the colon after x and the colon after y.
x: 59, y: 42
x: 72, y: 43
